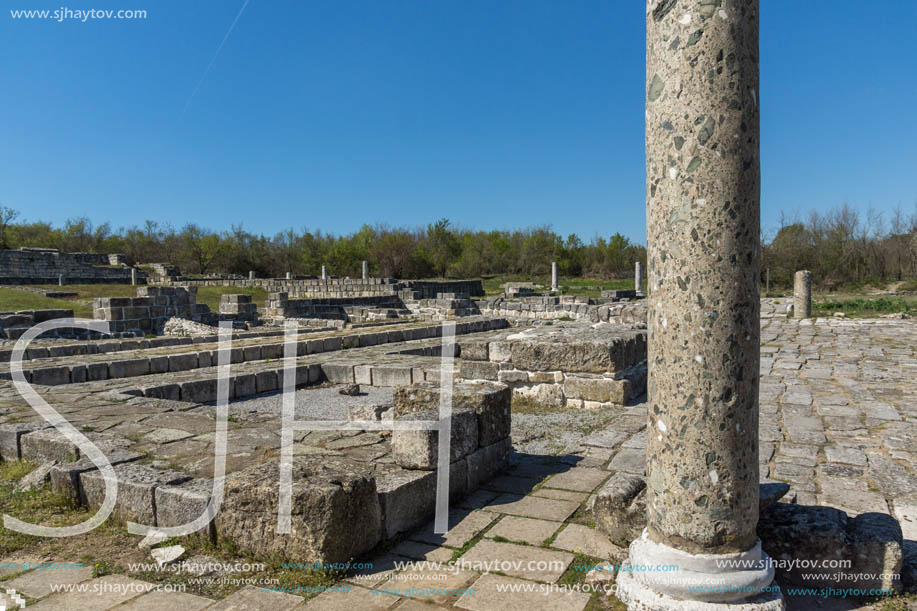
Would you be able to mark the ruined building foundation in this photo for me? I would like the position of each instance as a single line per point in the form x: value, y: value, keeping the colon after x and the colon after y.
x: 703, y: 218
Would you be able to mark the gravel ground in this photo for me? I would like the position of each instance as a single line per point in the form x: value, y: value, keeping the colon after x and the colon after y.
x: 324, y: 403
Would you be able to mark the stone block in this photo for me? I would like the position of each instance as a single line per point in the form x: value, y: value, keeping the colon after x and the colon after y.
x: 391, y: 376
x: 470, y: 350
x: 338, y: 373
x: 10, y: 437
x: 244, y: 385
x: 136, y: 486
x: 479, y: 370
x: 128, y: 368
x: 487, y: 462
x: 490, y: 401
x: 50, y: 376
x: 183, y: 362
x: 178, y: 505
x: 266, y: 381
x: 620, y: 508
x: 199, y: 391
x: 419, y: 449
x: 335, y: 511
x: 604, y: 390
x: 47, y: 445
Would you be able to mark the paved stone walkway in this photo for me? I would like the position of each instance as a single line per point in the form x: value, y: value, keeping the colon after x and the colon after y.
x: 838, y: 423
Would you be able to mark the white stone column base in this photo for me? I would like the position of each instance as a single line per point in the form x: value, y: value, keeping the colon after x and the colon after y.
x: 702, y: 581
x: 639, y: 597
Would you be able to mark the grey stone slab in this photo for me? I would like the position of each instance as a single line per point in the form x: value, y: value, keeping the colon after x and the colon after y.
x: 509, y: 594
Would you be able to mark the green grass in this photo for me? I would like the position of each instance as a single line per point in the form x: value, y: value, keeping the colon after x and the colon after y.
x: 14, y: 299
x: 863, y: 307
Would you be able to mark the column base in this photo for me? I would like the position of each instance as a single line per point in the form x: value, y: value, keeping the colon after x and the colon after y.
x: 712, y: 582
x: 639, y: 597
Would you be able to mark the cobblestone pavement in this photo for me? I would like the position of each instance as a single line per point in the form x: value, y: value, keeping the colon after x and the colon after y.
x: 838, y: 423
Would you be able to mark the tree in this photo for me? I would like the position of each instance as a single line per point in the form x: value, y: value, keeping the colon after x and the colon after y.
x: 7, y: 216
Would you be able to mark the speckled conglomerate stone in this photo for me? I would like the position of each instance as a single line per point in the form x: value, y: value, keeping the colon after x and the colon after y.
x: 703, y: 218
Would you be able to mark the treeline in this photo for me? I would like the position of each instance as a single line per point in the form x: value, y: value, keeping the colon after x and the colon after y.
x: 844, y: 248
x: 437, y: 250
x: 841, y: 248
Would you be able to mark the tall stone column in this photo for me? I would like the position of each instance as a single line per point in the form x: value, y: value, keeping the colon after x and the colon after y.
x: 703, y: 218
x: 638, y: 277
x: 553, y: 275
x: 802, y: 294
x: 324, y: 273
x: 251, y: 275
x: 365, y: 271
x: 133, y: 276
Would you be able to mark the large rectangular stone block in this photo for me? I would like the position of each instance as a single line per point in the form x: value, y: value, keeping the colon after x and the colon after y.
x: 391, y: 376
x: 335, y: 511
x: 596, y: 388
x: 136, y: 486
x: 420, y: 449
x: 490, y: 401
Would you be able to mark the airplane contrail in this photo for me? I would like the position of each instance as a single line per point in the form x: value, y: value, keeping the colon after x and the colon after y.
x: 215, y: 55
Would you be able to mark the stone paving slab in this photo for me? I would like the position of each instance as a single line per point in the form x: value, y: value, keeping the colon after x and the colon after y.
x: 356, y: 599
x: 525, y: 561
x: 251, y: 598
x: 105, y: 593
x: 36, y: 584
x: 583, y: 540
x: 166, y: 601
x: 525, y: 530
x: 463, y: 526
x: 533, y: 507
x: 487, y: 597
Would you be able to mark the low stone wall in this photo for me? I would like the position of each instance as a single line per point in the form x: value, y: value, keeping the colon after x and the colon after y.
x: 45, y: 266
x: 148, y: 312
x: 573, y: 366
x: 553, y: 308
x: 14, y: 324
x: 238, y: 307
x: 281, y: 306
x: 338, y: 287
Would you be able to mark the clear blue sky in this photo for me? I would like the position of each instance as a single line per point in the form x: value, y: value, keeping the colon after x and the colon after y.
x: 499, y: 114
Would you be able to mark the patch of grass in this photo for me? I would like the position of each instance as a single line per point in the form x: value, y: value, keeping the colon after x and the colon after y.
x: 34, y: 506
x: 864, y: 307
x: 210, y: 295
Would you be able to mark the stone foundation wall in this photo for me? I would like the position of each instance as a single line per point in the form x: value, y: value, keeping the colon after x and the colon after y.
x: 14, y: 324
x: 38, y: 266
x: 553, y: 308
x: 148, y: 312
x: 572, y: 370
x: 337, y: 287
x: 281, y: 306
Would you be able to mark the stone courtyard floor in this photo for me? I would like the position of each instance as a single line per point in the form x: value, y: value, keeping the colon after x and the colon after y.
x: 838, y: 423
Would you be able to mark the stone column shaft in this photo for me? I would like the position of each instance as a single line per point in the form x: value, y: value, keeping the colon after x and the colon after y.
x: 324, y: 273
x: 638, y: 277
x: 553, y: 275
x: 703, y: 260
x: 133, y: 276
x: 365, y: 271
x: 703, y: 219
x: 802, y: 294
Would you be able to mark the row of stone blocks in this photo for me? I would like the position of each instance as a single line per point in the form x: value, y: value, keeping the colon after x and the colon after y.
x: 624, y: 313
x: 147, y: 312
x: 341, y: 508
x: 14, y: 324
x: 580, y: 372
x: 102, y: 347
x: 126, y: 368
